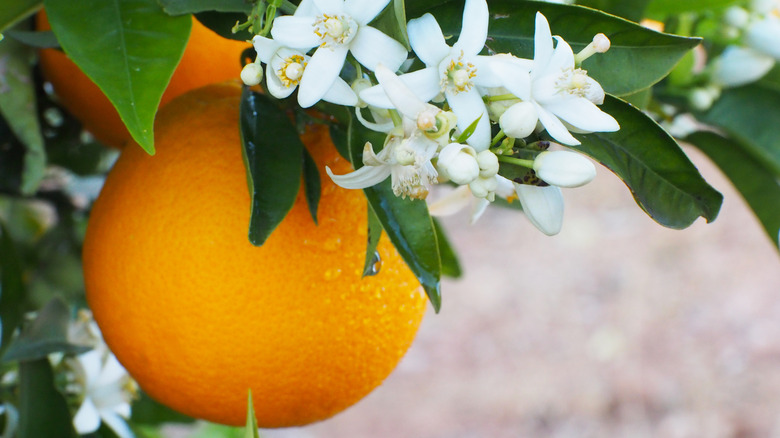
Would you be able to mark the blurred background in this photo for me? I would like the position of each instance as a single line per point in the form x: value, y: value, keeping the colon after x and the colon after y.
x: 615, y: 327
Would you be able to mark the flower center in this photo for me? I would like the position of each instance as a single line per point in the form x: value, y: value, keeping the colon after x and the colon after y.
x: 291, y: 71
x: 459, y: 74
x: 574, y: 81
x: 334, y: 29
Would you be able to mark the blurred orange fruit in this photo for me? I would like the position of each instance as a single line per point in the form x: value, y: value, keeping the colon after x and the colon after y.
x: 208, y: 58
x: 198, y: 315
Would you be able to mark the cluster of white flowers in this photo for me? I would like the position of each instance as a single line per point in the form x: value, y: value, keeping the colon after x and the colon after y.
x: 755, y: 32
x: 439, y: 119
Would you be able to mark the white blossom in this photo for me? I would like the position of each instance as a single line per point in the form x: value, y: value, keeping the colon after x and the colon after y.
x: 562, y: 94
x: 564, y: 168
x: 543, y: 206
x: 335, y: 28
x: 738, y: 66
x: 458, y: 163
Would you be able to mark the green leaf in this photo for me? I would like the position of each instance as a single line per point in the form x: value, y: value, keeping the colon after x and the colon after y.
x: 392, y: 22
x: 273, y: 157
x: 450, y: 266
x: 145, y: 410
x: 222, y: 23
x: 41, y: 39
x: 11, y: 288
x: 373, y: 262
x: 183, y: 7
x: 46, y: 335
x: 629, y: 9
x: 15, y: 11
x: 250, y: 430
x: 43, y: 411
x: 406, y: 222
x: 17, y: 105
x: 311, y: 184
x: 750, y: 114
x: 129, y: 48
x: 662, y: 179
x: 663, y: 8
x: 758, y: 185
x: 638, y: 57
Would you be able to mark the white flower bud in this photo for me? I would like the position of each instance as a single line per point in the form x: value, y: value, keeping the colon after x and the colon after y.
x: 701, y: 99
x: 736, y: 16
x: 488, y: 164
x: 543, y: 206
x: 519, y: 121
x: 252, y: 74
x: 739, y: 66
x: 764, y: 36
x: 484, y: 187
x: 458, y: 162
x: 601, y: 43
x: 564, y: 168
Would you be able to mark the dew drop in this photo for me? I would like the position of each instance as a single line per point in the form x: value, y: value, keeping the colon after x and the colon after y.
x: 374, y: 265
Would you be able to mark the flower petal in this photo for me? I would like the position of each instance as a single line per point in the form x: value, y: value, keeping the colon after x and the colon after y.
x: 265, y: 48
x: 307, y: 8
x: 363, y: 11
x: 555, y: 127
x: 477, y: 209
x: 87, y: 418
x: 402, y: 98
x: 341, y: 93
x: 469, y: 106
x: 583, y: 114
x: 543, y: 46
x: 371, y: 47
x: 486, y: 77
x: 117, y: 424
x: 513, y: 77
x: 275, y: 86
x: 543, y: 206
x: 427, y: 40
x: 451, y: 203
x: 474, y: 30
x: 331, y: 7
x: 91, y: 362
x: 321, y: 71
x: 423, y: 83
x: 561, y: 60
x: 295, y: 32
x: 366, y: 176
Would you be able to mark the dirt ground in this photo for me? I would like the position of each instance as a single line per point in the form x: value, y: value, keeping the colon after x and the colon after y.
x: 617, y: 327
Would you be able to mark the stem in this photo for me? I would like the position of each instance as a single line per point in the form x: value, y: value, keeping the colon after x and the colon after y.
x: 397, y: 121
x: 497, y: 138
x: 518, y: 161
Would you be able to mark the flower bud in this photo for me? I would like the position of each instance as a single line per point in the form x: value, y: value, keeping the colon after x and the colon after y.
x: 484, y: 187
x: 519, y: 121
x: 736, y: 16
x: 564, y: 168
x: 458, y: 162
x: 488, y: 164
x: 252, y: 74
x: 739, y: 66
x: 543, y: 206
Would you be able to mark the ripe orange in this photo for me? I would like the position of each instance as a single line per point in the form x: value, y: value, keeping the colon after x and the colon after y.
x: 199, y: 316
x: 208, y: 58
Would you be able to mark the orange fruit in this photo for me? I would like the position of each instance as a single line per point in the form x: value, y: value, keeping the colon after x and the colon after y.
x: 198, y: 315
x: 208, y: 58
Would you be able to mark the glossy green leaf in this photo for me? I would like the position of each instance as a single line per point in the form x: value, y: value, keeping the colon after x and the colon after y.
x: 14, y: 11
x: 129, y: 48
x: 638, y: 57
x: 750, y: 114
x: 43, y: 411
x: 17, y: 105
x: 222, y: 23
x: 757, y: 184
x: 450, y: 265
x: 250, y: 430
x: 11, y: 288
x: 629, y: 9
x: 312, y: 187
x: 44, y: 336
x: 662, y: 179
x: 391, y: 21
x: 183, y: 7
x: 273, y: 156
x: 406, y: 222
x: 373, y: 262
x: 41, y: 39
